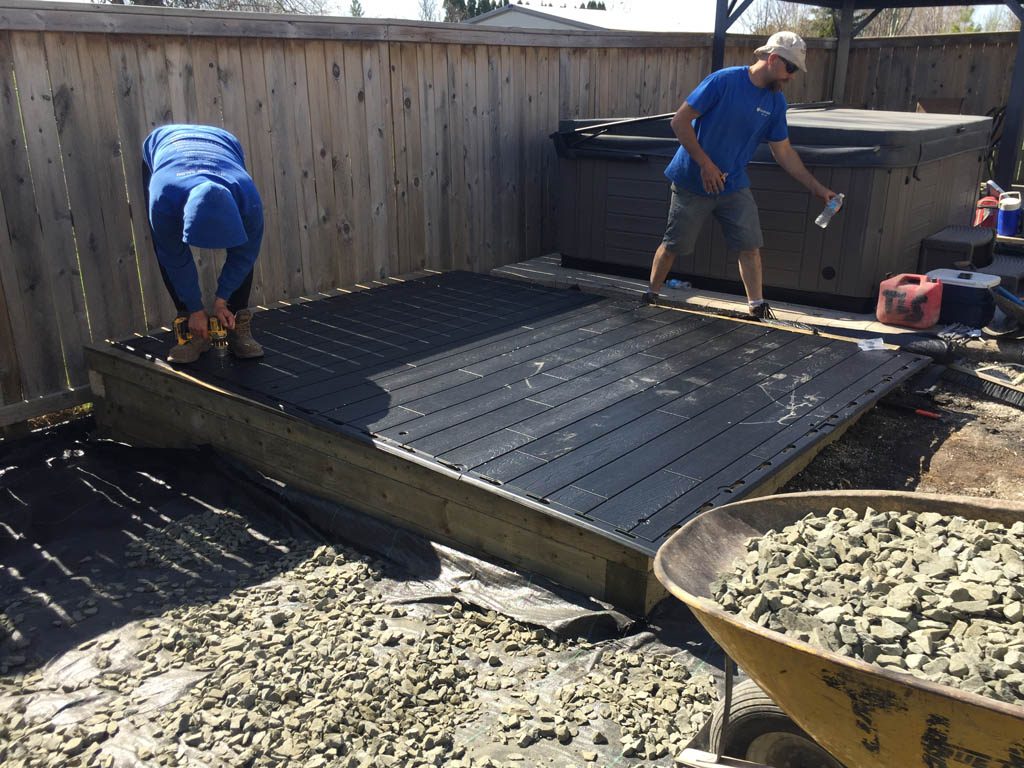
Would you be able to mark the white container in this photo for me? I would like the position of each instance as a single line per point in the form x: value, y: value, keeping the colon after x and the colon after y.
x: 964, y: 279
x: 965, y: 296
x: 1009, y: 201
x: 1009, y: 214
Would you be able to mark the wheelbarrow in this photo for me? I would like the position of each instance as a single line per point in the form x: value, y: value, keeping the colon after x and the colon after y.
x: 831, y: 710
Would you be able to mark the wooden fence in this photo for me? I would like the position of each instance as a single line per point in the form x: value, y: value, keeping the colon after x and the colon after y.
x: 378, y: 148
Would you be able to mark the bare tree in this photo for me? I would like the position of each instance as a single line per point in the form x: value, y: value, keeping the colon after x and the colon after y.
x: 922, y: 21
x: 428, y: 10
x: 999, y: 19
x: 892, y: 22
x: 765, y: 17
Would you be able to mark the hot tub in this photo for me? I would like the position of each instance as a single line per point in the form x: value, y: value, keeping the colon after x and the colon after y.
x: 906, y: 175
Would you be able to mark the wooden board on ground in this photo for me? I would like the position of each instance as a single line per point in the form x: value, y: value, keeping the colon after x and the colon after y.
x: 548, y: 270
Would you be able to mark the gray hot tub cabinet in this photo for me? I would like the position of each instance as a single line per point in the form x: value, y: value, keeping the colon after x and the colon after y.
x: 905, y: 175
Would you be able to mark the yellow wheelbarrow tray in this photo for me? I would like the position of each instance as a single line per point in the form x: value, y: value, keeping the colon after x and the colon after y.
x: 865, y: 716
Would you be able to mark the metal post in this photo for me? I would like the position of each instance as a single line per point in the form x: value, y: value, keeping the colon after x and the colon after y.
x: 1010, y: 141
x: 843, y: 51
x: 718, y: 46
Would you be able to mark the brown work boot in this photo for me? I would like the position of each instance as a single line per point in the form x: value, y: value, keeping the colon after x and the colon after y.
x: 240, y: 341
x: 188, y: 352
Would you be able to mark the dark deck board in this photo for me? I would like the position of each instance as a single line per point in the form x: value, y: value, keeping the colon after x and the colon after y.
x: 628, y: 419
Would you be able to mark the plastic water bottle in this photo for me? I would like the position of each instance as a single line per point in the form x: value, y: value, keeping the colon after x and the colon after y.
x: 830, y: 210
x: 673, y: 283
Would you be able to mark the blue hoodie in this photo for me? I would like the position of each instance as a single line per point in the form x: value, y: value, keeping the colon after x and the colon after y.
x: 200, y: 194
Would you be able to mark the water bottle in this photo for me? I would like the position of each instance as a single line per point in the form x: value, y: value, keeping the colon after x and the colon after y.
x: 673, y: 283
x: 830, y: 210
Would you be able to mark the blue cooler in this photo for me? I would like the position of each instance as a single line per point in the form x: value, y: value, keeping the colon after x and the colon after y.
x: 965, y: 297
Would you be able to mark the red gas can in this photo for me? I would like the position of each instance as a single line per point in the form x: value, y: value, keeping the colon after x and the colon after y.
x: 912, y: 301
x: 985, y: 213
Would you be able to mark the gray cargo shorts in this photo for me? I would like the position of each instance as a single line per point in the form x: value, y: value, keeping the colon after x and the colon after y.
x: 736, y: 213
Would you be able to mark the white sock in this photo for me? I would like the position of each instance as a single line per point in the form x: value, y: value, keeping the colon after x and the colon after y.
x: 753, y: 304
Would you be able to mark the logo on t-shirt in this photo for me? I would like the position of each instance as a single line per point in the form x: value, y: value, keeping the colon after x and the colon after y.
x: 764, y: 112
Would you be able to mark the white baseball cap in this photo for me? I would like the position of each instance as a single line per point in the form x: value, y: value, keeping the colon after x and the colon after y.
x: 788, y: 45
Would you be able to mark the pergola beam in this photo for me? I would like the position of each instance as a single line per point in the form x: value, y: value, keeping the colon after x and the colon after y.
x: 846, y: 33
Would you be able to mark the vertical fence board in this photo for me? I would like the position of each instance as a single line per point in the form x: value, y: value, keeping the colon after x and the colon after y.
x: 295, y: 266
x: 442, y: 144
x: 533, y: 148
x: 204, y: 67
x: 319, y: 274
x: 260, y: 154
x: 565, y: 83
x: 133, y: 127
x: 430, y: 182
x: 476, y: 120
x: 651, y: 88
x: 14, y: 322
x: 326, y: 239
x: 470, y: 157
x: 408, y: 152
x: 180, y: 80
x: 10, y: 374
x: 376, y: 67
x: 424, y: 180
x: 295, y: 256
x: 458, y: 221
x: 506, y: 115
x: 90, y: 144
x: 345, y: 99
x: 40, y: 274
x: 582, y: 97
x: 550, y: 213
x: 607, y: 91
x: 492, y: 158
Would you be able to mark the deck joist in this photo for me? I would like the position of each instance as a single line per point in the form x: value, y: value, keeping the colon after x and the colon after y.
x: 563, y: 432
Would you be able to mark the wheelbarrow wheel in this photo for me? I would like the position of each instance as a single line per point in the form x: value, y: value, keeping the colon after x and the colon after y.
x: 760, y: 732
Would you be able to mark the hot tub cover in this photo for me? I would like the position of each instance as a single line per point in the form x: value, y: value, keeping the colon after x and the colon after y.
x: 823, y: 137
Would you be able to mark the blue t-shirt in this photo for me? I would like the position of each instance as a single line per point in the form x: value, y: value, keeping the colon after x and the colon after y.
x: 178, y: 159
x: 735, y: 116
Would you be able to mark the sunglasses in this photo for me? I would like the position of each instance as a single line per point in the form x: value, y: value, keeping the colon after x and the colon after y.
x: 790, y: 67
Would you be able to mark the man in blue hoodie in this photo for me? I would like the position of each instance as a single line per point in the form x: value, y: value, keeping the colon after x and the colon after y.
x: 199, y: 194
x: 719, y: 126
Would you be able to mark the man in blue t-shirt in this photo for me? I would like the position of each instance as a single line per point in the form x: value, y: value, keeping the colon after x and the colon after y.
x: 199, y: 193
x: 719, y: 126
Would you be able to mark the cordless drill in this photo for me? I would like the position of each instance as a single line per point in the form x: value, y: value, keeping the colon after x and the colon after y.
x: 218, y: 335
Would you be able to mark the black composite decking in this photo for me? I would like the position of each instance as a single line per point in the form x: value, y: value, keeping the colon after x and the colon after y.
x: 626, y: 419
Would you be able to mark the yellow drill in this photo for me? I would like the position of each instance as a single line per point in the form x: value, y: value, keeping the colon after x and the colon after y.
x: 181, y: 332
x: 218, y: 337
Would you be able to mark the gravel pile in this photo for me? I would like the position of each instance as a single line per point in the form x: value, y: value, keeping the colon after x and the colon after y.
x: 941, y: 598
x: 311, y: 666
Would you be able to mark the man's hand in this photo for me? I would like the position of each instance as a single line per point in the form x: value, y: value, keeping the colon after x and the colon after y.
x: 199, y: 324
x: 712, y: 178
x: 824, y: 193
x: 223, y: 314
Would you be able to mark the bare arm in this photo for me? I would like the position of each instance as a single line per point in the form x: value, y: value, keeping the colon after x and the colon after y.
x: 790, y: 161
x: 682, y: 125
